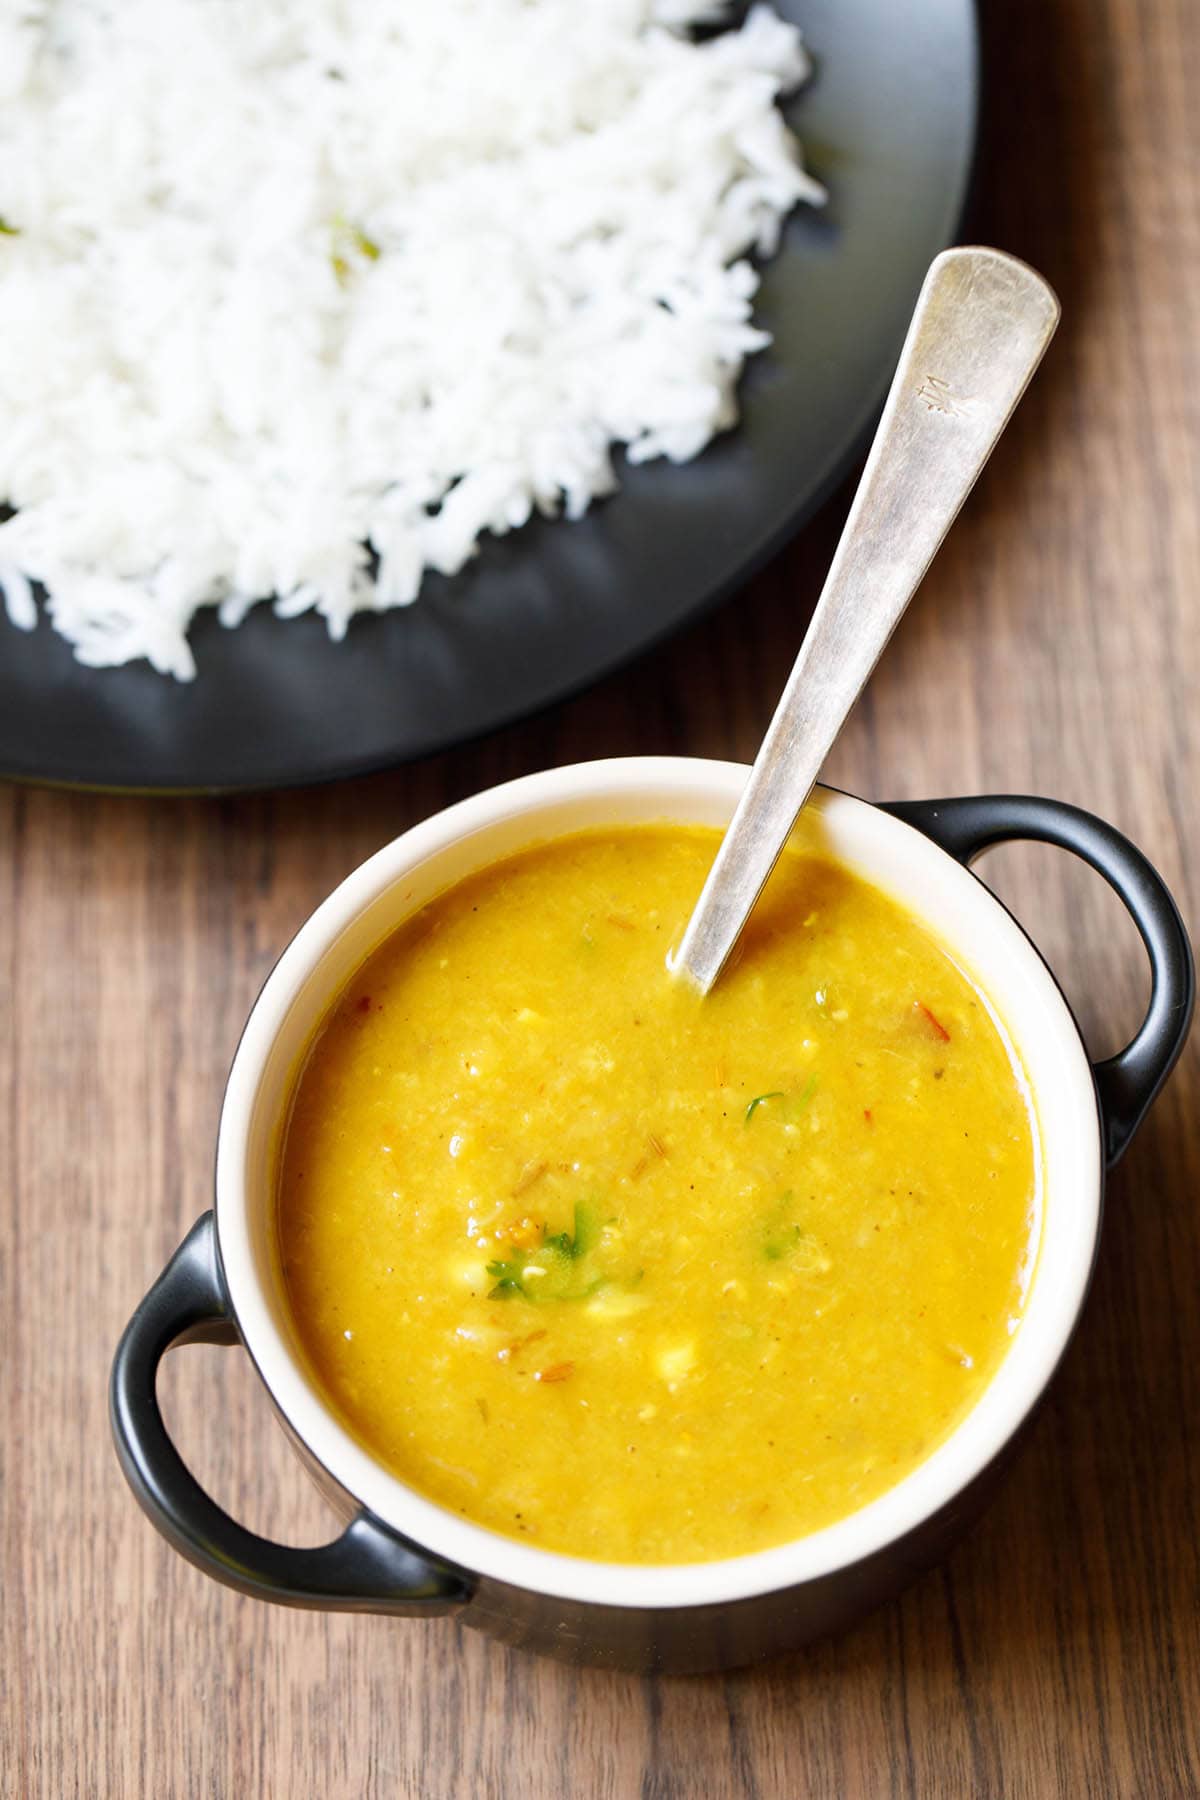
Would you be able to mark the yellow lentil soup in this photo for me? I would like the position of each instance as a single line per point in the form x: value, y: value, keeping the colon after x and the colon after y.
x: 636, y: 1275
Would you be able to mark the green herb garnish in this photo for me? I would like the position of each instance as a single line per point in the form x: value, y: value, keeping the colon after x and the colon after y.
x: 553, y: 1257
x: 508, y: 1279
x: 780, y: 1232
x: 795, y: 1107
x: 760, y: 1099
x: 579, y: 1242
x: 782, y: 1237
x: 775, y: 1249
x: 810, y: 1088
x: 511, y: 1284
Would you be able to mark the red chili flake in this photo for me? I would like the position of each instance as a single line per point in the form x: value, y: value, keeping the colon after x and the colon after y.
x: 556, y: 1372
x: 935, y: 1022
x: 867, y: 1115
x: 364, y: 1004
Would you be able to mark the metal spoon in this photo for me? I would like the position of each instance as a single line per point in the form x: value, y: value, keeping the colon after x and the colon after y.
x: 980, y: 328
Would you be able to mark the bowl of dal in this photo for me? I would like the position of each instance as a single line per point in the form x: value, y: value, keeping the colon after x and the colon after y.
x: 645, y: 1329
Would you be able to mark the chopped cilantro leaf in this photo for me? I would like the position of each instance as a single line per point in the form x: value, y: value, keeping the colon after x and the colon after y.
x: 554, y: 1277
x: 507, y: 1277
x: 581, y: 1240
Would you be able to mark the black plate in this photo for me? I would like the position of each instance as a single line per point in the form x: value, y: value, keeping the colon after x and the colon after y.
x: 889, y: 125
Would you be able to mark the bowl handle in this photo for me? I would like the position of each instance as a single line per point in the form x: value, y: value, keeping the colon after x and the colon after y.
x: 368, y: 1569
x: 1128, y: 1082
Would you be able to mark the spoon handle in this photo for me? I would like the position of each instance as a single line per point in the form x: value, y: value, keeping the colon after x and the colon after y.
x: 981, y: 325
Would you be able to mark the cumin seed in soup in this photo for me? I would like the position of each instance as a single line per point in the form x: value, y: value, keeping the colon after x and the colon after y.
x: 641, y: 1276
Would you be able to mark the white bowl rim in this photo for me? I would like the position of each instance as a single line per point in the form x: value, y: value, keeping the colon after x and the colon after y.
x: 1058, y: 1286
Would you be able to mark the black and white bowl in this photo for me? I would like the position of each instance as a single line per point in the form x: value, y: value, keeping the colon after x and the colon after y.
x: 403, y: 1553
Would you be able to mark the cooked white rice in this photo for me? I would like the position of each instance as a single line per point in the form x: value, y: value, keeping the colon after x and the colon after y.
x: 298, y: 299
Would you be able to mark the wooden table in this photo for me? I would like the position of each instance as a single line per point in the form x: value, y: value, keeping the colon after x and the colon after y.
x: 1055, y: 647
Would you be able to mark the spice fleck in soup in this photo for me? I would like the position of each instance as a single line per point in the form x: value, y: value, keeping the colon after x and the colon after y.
x: 641, y: 1276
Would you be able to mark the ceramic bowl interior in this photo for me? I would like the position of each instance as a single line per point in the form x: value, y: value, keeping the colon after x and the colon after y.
x: 989, y: 945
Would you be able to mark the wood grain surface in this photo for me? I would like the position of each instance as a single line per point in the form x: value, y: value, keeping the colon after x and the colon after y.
x: 1054, y: 648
